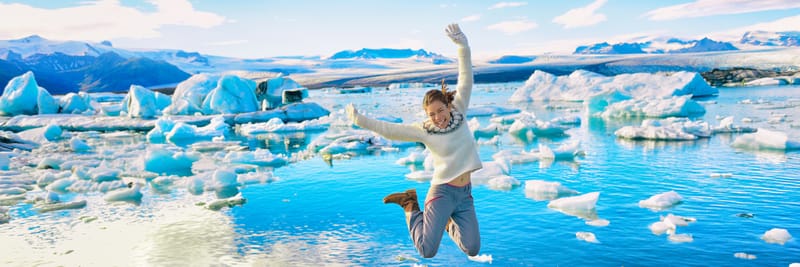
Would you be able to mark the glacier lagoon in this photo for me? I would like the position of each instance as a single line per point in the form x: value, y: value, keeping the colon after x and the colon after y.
x: 322, y: 212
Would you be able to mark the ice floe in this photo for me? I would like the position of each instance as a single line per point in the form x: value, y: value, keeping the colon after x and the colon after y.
x: 764, y: 139
x: 582, y: 206
x: 745, y: 256
x: 676, y: 106
x: 776, y: 236
x: 544, y: 190
x: 661, y: 201
x: 587, y: 236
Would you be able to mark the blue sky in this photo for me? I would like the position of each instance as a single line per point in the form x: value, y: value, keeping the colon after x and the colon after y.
x: 253, y: 29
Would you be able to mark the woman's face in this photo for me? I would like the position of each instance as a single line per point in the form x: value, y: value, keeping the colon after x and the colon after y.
x: 439, y: 113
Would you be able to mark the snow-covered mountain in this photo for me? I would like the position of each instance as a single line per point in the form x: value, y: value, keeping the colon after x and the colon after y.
x: 511, y: 59
x: 389, y: 53
x: 657, y: 46
x: 764, y: 38
x: 70, y: 66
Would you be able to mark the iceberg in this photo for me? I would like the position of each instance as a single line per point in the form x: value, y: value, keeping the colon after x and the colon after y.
x: 73, y: 103
x: 132, y: 194
x: 272, y: 91
x: 47, y: 103
x: 22, y: 96
x: 726, y: 126
x: 676, y: 106
x: 275, y: 125
x: 188, y: 97
x: 667, y: 129
x: 587, y: 236
x: 259, y: 157
x: 776, y: 236
x: 165, y: 160
x: 140, y: 103
x: 764, y: 139
x: 582, y: 85
x: 582, y: 206
x: 503, y: 182
x: 661, y: 201
x: 232, y: 95
x: 42, y: 135
x: 544, y: 190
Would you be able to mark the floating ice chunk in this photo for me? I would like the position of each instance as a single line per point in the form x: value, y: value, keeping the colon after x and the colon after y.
x: 78, y: 145
x: 676, y: 106
x: 47, y: 207
x: 168, y: 161
x: 420, y: 175
x: 489, y: 131
x: 226, y: 203
x: 19, y: 96
x: 509, y: 119
x: 415, y: 157
x: 73, y: 103
x: 46, y: 103
x: 195, y: 185
x: 133, y: 194
x: 776, y: 236
x: 140, y: 103
x: 503, y: 182
x: 567, y: 120
x: 260, y: 157
x: 726, y: 126
x: 766, y: 81
x: 581, y: 85
x: 103, y: 174
x: 582, y: 206
x: 598, y: 222
x: 232, y: 95
x: 277, y: 125
x: 527, y: 129
x: 12, y: 191
x: 490, y: 170
x: 661, y: 201
x: 41, y: 135
x: 516, y: 157
x: 587, y: 236
x: 482, y: 258
x: 764, y: 139
x: 677, y: 220
x: 189, y: 94
x: 745, y: 256
x: 544, y: 190
x: 680, y: 238
x: 255, y: 178
x: 60, y: 185
x: 272, y: 90
x: 794, y: 264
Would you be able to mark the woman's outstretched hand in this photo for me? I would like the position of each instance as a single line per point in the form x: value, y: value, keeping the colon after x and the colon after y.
x: 455, y: 34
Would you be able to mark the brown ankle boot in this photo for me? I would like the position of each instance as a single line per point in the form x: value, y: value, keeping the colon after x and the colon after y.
x: 407, y: 200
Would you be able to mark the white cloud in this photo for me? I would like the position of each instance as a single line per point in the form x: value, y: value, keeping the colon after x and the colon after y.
x: 471, y: 18
x: 512, y: 27
x: 582, y: 16
x: 702, y: 8
x: 101, y: 20
x: 508, y: 4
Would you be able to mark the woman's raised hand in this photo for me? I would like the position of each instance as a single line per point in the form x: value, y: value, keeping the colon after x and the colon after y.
x: 455, y: 34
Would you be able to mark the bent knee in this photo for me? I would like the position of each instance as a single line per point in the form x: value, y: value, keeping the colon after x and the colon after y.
x: 428, y: 253
x: 473, y: 249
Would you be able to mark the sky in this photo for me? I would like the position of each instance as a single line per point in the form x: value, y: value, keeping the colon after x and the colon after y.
x: 258, y: 29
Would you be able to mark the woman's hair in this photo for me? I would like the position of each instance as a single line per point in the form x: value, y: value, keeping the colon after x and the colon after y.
x: 439, y: 95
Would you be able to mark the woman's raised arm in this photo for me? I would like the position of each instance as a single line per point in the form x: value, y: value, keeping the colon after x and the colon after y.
x: 465, y: 77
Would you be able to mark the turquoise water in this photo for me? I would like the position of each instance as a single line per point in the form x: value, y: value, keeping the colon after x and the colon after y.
x: 321, y: 214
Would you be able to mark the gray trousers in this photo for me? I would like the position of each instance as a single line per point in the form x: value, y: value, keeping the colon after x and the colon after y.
x: 443, y: 202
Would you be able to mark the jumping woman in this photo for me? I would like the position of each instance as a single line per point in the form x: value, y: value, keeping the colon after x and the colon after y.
x: 448, y: 205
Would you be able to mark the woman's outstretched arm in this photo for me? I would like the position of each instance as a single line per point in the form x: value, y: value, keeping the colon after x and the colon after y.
x: 394, y: 131
x: 465, y: 77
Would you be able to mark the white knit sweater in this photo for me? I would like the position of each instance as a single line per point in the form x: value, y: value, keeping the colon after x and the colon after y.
x: 454, y: 152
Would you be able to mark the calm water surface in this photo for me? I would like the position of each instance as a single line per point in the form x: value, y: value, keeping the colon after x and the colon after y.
x: 318, y: 214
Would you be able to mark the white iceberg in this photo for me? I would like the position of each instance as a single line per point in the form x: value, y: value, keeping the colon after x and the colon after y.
x: 675, y: 106
x: 503, y: 182
x: 582, y: 206
x: 272, y: 90
x: 232, y: 95
x: 661, y: 201
x: 164, y: 160
x: 587, y: 236
x: 582, y: 85
x: 544, y: 190
x: 670, y: 129
x: 132, y: 194
x: 188, y: 97
x: 776, y: 236
x: 277, y: 125
x: 140, y: 103
x: 21, y: 96
x: 726, y: 126
x: 259, y: 157
x: 764, y: 139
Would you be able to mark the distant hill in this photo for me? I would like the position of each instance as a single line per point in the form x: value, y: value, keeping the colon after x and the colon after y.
x: 70, y: 66
x: 657, y: 46
x: 389, y: 53
x: 513, y: 59
x: 764, y: 38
